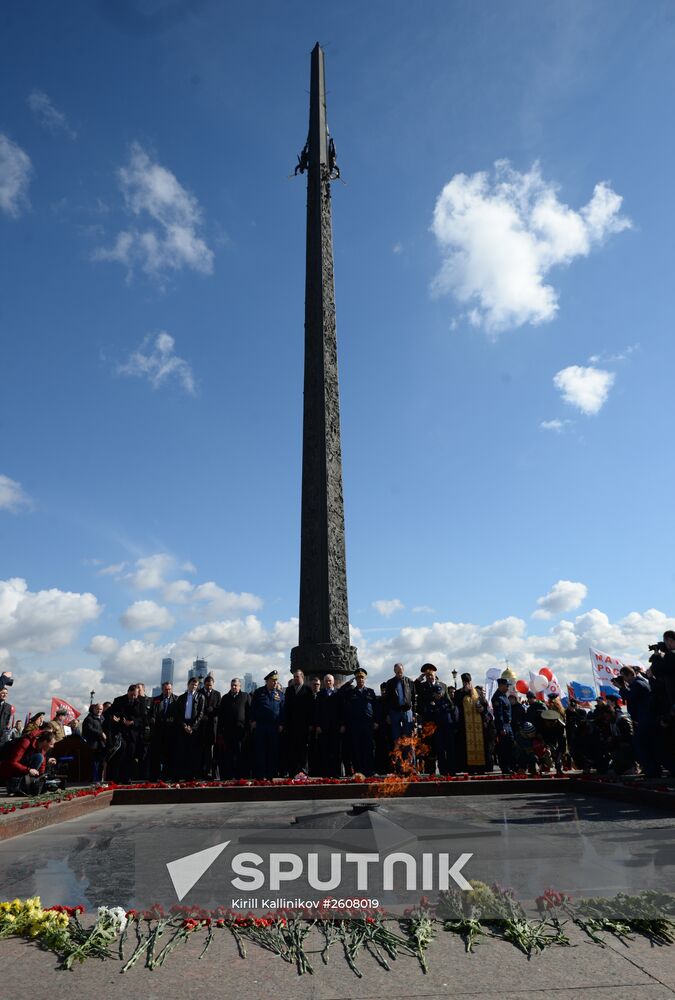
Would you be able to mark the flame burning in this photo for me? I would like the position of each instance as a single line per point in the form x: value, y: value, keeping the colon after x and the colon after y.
x: 405, y: 758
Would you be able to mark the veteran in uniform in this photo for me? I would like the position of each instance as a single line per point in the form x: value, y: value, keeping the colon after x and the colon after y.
x: 359, y: 723
x: 267, y: 723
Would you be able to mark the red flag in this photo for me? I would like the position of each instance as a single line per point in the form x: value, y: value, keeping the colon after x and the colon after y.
x: 58, y: 703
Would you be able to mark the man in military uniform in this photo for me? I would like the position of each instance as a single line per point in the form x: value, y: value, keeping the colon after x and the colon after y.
x: 359, y: 725
x: 267, y: 723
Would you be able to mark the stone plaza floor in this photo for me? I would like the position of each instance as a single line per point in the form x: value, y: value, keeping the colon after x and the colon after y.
x: 575, y: 843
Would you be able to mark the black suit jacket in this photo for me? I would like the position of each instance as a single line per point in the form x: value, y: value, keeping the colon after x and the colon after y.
x: 162, y: 722
x: 210, y: 720
x: 297, y: 707
x: 390, y: 696
x: 5, y: 718
x: 197, y: 711
x: 233, y: 714
x: 125, y: 709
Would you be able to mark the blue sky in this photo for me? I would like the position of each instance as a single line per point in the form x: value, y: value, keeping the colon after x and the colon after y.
x: 151, y: 307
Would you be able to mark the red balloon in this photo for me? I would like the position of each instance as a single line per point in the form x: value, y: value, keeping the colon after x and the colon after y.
x: 545, y: 672
x: 522, y: 687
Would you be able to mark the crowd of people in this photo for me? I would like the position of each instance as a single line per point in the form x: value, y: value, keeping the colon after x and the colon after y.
x: 319, y: 728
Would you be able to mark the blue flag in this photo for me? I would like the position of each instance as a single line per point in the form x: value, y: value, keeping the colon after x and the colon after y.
x: 583, y: 692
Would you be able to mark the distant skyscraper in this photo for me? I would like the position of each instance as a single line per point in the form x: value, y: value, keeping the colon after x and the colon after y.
x: 167, y: 670
x: 249, y: 683
x: 199, y: 669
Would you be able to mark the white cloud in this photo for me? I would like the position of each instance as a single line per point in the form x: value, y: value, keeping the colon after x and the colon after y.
x: 565, y: 595
x: 423, y: 609
x: 49, y: 116
x: 554, y: 425
x: 172, y: 218
x: 15, y: 173
x: 219, y: 601
x: 388, y: 608
x: 42, y: 621
x: 151, y: 571
x: 141, y: 616
x: 235, y: 645
x: 12, y: 496
x: 397, y: 248
x: 500, y: 236
x: 156, y: 361
x: 585, y: 388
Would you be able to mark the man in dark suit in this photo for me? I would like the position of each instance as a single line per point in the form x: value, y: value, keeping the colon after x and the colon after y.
x: 189, y: 711
x: 145, y: 736
x: 208, y: 724
x: 297, y: 709
x: 6, y: 713
x: 398, y: 702
x: 313, y: 752
x: 232, y: 733
x: 327, y: 728
x: 162, y: 739
x: 125, y: 715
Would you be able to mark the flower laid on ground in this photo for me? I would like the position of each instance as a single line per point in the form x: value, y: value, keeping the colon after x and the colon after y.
x: 484, y: 910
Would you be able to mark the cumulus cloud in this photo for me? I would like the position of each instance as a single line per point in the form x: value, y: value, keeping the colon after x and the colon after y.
x: 388, y: 608
x: 238, y: 644
x: 12, y: 496
x: 150, y: 572
x: 42, y: 621
x: 585, y: 388
x: 142, y: 616
x: 565, y: 595
x: 501, y: 235
x: 219, y: 601
x: 167, y: 238
x: 15, y: 173
x: 156, y: 361
x: 49, y: 116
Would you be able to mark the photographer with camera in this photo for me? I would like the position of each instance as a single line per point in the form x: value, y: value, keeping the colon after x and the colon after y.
x: 25, y: 761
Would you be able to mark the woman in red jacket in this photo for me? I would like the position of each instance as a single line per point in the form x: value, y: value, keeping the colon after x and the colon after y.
x: 24, y: 761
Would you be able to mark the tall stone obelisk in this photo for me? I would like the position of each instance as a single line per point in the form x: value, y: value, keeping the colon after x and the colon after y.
x: 323, y: 643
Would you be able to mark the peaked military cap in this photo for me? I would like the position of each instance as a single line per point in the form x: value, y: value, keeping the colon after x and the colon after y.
x: 362, y: 671
x: 272, y: 676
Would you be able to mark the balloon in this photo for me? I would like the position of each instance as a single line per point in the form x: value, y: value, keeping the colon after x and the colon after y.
x: 522, y: 687
x: 539, y: 684
x: 545, y: 672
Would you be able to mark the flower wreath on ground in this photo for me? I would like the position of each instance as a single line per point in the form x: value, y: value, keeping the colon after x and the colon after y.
x: 150, y: 936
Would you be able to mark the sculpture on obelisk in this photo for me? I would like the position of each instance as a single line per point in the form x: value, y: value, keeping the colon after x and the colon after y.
x: 323, y: 643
